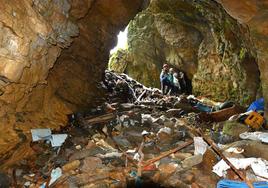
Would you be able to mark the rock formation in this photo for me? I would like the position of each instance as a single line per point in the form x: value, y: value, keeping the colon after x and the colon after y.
x: 254, y: 14
x: 52, y: 55
x: 199, y: 38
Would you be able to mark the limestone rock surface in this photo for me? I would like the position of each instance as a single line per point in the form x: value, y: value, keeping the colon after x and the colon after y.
x: 254, y: 14
x: 52, y: 55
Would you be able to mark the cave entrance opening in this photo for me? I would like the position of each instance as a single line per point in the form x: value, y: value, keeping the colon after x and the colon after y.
x: 121, y: 41
x: 121, y: 56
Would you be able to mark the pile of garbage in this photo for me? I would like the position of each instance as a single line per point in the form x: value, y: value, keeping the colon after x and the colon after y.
x: 141, y: 138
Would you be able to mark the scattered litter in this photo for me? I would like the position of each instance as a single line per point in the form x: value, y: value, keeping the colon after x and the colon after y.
x: 144, y: 132
x: 103, y: 145
x: 238, y: 184
x: 254, y: 120
x: 200, y: 146
x: 57, y: 139
x: 136, y: 157
x: 257, y: 105
x: 258, y: 136
x: 55, y: 174
x: 258, y: 165
x: 40, y: 134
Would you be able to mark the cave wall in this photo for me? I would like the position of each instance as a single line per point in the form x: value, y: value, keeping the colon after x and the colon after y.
x: 52, y: 54
x: 201, y: 39
x: 254, y: 14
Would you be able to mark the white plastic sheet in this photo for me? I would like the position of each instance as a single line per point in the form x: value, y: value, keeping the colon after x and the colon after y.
x: 40, y: 134
x: 259, y: 136
x: 258, y: 165
x: 200, y: 146
x: 55, y: 174
x: 56, y: 140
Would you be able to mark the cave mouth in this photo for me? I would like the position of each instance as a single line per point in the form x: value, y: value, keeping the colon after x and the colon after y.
x: 121, y: 41
x: 212, y: 49
x: 119, y: 59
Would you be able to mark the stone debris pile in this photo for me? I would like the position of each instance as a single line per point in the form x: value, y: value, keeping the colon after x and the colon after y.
x: 141, y: 138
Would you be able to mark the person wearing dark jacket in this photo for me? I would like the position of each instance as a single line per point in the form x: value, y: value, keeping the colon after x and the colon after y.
x: 164, y: 79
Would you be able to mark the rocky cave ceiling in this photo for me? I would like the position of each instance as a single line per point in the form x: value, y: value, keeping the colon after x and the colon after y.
x: 53, y: 53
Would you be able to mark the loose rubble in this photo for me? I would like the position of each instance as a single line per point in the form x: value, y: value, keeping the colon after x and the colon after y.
x: 141, y: 138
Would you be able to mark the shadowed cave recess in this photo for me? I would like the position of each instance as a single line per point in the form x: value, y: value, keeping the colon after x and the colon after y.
x: 54, y: 54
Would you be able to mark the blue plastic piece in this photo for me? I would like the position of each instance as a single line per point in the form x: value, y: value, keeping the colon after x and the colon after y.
x: 257, y: 105
x: 203, y: 107
x: 238, y: 184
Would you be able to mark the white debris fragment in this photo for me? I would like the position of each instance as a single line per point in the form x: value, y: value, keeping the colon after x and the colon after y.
x: 258, y: 136
x: 136, y: 157
x: 131, y: 151
x: 200, y: 146
x: 57, y: 140
x: 258, y: 165
x: 166, y: 130
x: 40, y: 134
x: 144, y: 132
x: 55, y: 174
x: 191, y: 97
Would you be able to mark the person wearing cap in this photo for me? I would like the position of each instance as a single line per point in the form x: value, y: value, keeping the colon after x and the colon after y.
x: 164, y: 79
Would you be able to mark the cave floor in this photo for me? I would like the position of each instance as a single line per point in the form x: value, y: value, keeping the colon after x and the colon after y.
x: 137, y: 138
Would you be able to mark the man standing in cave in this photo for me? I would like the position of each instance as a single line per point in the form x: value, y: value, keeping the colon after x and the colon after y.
x: 164, y: 79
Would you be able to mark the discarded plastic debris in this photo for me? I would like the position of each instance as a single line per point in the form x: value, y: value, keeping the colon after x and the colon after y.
x: 254, y: 120
x: 257, y: 105
x: 238, y: 184
x: 55, y: 174
x: 56, y: 140
x: 258, y: 165
x: 258, y: 136
x: 40, y: 134
x: 200, y: 146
